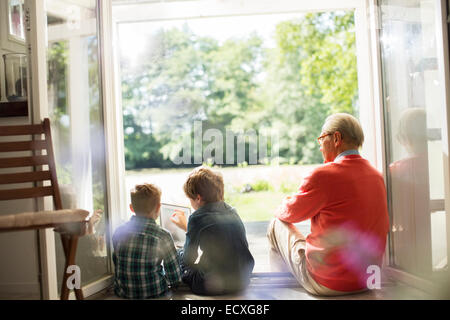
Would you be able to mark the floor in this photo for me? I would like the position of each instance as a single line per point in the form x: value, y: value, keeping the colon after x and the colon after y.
x: 265, y: 287
x: 258, y: 244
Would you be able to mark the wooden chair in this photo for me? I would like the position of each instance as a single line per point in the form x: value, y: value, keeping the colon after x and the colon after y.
x: 71, y: 224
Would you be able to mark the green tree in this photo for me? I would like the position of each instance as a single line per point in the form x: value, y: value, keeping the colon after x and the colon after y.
x: 186, y: 79
x: 240, y: 85
x: 311, y: 74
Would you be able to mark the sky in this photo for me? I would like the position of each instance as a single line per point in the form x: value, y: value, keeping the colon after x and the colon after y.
x: 133, y: 35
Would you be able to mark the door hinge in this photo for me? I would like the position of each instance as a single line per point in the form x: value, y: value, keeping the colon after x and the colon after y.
x: 448, y: 11
x: 28, y: 19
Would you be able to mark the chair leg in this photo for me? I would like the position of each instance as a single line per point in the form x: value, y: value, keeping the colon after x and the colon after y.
x: 64, y: 289
x: 70, y: 243
x: 79, y: 294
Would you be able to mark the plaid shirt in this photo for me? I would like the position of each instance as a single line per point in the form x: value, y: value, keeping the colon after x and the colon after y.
x: 140, y: 246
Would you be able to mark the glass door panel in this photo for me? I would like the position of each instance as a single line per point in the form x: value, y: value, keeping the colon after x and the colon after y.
x: 75, y: 108
x: 413, y: 101
x: 236, y: 90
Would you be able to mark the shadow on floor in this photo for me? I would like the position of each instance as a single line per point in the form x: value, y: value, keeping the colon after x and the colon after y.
x: 285, y: 288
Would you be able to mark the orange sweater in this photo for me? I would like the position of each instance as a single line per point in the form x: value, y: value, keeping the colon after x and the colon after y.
x: 346, y: 202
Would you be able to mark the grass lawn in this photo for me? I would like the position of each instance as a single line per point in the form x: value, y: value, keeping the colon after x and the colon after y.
x: 255, y: 206
x: 269, y: 184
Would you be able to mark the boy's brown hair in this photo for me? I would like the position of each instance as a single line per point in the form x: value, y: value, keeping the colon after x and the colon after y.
x: 206, y: 183
x: 145, y: 198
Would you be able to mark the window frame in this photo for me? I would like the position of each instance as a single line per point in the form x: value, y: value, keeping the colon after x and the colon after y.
x: 369, y: 83
x: 368, y: 70
x: 442, y: 37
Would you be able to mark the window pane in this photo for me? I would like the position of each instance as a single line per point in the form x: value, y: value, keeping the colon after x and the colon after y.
x: 196, y: 90
x: 76, y: 116
x: 413, y: 101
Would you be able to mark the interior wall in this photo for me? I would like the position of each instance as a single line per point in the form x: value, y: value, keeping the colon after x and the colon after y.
x: 19, y: 261
x: 19, y: 266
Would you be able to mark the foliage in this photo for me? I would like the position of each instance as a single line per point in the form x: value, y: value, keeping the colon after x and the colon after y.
x: 312, y: 73
x: 57, y: 66
x: 261, y: 185
x: 239, y: 85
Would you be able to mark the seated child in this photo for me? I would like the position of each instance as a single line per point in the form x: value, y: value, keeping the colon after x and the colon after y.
x: 140, y: 246
x: 225, y: 264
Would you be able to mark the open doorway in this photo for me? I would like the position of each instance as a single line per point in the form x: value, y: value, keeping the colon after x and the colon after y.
x: 244, y: 93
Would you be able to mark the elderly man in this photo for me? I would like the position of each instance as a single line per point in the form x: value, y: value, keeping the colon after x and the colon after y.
x: 346, y: 201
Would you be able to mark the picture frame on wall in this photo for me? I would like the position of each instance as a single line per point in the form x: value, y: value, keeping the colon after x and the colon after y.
x: 13, y: 109
x: 13, y: 26
x: 15, y: 73
x: 13, y: 59
x: 16, y: 25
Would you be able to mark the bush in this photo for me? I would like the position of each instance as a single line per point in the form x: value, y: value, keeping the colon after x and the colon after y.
x: 243, y: 164
x: 209, y: 163
x: 279, y: 161
x: 261, y: 185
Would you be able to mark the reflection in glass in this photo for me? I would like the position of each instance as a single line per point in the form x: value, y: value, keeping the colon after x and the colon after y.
x: 187, y: 84
x: 15, y: 17
x: 15, y: 76
x: 76, y: 116
x: 413, y: 106
x: 409, y: 186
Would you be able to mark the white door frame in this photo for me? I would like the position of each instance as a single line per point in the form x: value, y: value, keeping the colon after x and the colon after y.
x: 112, y: 113
x: 442, y: 46
x: 38, y: 39
x: 367, y: 52
x: 368, y: 59
x: 444, y: 64
x: 365, y: 22
x: 368, y: 81
x: 37, y: 42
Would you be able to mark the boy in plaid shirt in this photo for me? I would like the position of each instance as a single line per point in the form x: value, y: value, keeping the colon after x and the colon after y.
x: 141, y: 248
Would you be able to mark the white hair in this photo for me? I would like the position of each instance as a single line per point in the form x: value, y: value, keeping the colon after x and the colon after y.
x: 347, y: 125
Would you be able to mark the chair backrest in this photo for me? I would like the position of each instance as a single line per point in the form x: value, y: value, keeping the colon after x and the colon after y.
x: 40, y: 140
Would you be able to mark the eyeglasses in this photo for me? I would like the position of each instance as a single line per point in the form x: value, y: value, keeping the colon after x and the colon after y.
x: 320, y: 139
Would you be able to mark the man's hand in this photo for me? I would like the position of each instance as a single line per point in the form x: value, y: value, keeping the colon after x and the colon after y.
x: 179, y: 219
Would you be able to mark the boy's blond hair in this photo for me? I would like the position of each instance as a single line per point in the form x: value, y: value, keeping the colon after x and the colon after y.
x: 206, y: 183
x: 145, y: 198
